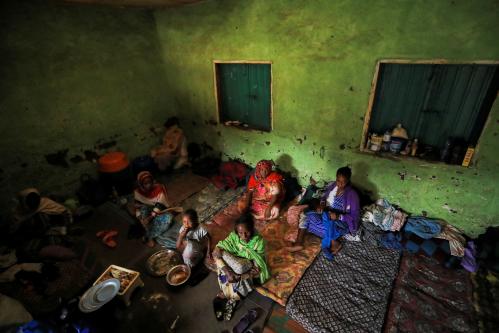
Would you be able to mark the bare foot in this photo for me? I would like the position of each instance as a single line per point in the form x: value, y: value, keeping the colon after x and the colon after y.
x: 336, y: 248
x: 295, y: 248
x: 150, y: 243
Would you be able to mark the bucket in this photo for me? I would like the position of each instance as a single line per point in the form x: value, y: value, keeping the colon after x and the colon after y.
x: 396, y: 145
x: 115, y: 171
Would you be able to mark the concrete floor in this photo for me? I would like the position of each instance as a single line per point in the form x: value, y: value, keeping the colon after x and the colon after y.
x: 155, y: 306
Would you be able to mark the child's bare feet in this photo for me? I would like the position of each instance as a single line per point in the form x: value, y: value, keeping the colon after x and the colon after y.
x: 150, y: 243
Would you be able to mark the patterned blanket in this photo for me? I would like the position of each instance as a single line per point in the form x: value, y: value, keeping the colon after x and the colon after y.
x: 286, y: 268
x: 211, y: 201
x: 486, y: 300
x: 349, y: 294
x: 428, y: 297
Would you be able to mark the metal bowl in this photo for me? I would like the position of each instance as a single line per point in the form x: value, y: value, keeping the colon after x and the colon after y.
x: 159, y: 263
x: 178, y: 275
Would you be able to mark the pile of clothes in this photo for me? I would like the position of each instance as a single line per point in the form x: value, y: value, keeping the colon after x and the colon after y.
x: 386, y: 225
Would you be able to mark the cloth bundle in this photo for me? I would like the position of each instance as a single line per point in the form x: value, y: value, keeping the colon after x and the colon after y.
x: 423, y: 227
x: 385, y: 215
x: 456, y: 240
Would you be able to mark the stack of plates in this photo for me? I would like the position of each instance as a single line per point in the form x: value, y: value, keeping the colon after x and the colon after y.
x: 98, y: 295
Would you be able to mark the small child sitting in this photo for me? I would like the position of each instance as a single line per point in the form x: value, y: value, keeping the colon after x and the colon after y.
x: 193, y: 239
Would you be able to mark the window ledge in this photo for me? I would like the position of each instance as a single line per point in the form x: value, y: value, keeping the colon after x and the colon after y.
x: 242, y: 126
x: 412, y: 159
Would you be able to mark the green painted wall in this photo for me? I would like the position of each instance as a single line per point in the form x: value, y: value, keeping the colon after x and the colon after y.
x: 74, y: 77
x: 324, y: 55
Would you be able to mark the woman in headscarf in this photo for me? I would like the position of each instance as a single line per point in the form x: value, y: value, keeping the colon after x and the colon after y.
x: 265, y: 191
x: 152, y: 208
x: 337, y: 214
x: 240, y: 258
x: 173, y: 151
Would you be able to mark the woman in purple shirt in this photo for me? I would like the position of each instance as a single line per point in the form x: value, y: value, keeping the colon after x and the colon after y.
x: 338, y: 213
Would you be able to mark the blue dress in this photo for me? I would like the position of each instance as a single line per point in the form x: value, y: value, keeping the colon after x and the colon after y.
x: 158, y: 226
x: 333, y: 229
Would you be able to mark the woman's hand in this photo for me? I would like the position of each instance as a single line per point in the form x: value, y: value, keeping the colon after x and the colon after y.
x: 333, y: 216
x: 146, y: 220
x: 254, y: 271
x: 322, y: 205
x: 267, y: 212
x: 217, y: 253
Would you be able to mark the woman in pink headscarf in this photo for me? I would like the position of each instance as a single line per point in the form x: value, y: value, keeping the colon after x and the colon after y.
x: 265, y: 191
x: 152, y: 208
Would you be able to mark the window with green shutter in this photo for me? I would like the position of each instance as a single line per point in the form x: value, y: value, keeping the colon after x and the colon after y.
x: 243, y: 92
x: 433, y: 102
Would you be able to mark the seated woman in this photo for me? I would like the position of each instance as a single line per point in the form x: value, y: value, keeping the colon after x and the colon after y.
x: 265, y: 192
x: 338, y: 213
x: 173, y: 151
x: 240, y: 258
x: 38, y: 221
x: 193, y: 239
x: 151, y: 208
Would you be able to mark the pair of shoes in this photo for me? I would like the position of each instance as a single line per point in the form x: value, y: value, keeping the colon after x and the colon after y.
x: 219, y: 307
x: 107, y: 237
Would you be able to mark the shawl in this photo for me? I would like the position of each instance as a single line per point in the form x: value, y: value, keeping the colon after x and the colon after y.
x: 253, y: 250
x: 47, y: 206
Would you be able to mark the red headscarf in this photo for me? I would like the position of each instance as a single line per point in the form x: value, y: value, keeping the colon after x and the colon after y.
x: 261, y: 167
x: 156, y: 189
x: 257, y: 177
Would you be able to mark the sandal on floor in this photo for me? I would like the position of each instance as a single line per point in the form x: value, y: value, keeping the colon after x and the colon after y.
x: 101, y: 233
x: 230, y: 307
x: 108, y: 239
x: 219, y: 307
x: 246, y: 321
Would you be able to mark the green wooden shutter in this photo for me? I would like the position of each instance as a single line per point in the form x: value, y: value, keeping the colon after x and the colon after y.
x: 433, y: 102
x: 244, y: 94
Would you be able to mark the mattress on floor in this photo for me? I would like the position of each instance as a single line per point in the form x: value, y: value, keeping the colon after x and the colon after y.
x: 211, y: 200
x: 349, y: 294
x: 428, y: 297
x: 286, y: 268
x: 486, y: 299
